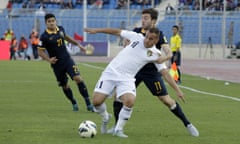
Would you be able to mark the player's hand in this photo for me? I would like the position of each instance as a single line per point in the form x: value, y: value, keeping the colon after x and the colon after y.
x: 90, y: 30
x: 53, y: 60
x: 83, y: 49
x: 181, y: 96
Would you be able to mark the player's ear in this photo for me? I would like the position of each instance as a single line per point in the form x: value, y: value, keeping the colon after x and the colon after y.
x: 154, y: 22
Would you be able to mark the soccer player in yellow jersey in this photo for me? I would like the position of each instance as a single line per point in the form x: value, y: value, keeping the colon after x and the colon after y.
x: 175, y: 44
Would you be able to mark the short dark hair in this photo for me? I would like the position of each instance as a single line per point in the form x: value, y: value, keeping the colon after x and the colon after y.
x: 154, y: 30
x: 49, y: 15
x: 175, y: 26
x: 153, y: 13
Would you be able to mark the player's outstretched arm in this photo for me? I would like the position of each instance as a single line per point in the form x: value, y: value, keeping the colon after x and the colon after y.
x: 71, y: 40
x: 172, y: 83
x: 103, y: 30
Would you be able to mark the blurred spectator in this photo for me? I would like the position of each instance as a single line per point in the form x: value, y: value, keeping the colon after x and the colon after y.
x: 142, y: 2
x: 23, y: 47
x: 169, y: 9
x: 196, y: 5
x: 97, y: 4
x: 230, y: 5
x: 66, y: 4
x: 8, y: 35
x: 9, y: 6
x: 34, y: 39
x: 24, y: 5
x: 181, y: 4
x: 41, y: 10
x: 32, y: 4
x: 238, y: 7
x: 13, y: 48
x: 122, y: 4
x: 42, y: 6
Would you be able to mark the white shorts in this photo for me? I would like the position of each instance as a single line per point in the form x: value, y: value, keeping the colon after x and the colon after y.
x: 108, y: 86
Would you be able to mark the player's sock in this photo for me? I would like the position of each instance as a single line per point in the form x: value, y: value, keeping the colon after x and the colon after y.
x: 83, y: 90
x: 176, y: 109
x: 124, y: 115
x: 69, y: 95
x: 117, y: 106
x: 102, y: 111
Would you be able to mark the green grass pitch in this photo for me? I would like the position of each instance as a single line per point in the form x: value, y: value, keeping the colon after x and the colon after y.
x: 33, y: 110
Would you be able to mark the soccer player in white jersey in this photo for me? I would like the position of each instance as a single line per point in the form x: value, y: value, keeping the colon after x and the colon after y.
x: 120, y: 73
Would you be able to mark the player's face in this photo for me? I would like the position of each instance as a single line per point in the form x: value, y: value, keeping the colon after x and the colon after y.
x: 150, y: 39
x: 146, y: 21
x: 51, y: 23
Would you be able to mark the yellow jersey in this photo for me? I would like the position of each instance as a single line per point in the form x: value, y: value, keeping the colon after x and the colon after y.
x: 175, y: 42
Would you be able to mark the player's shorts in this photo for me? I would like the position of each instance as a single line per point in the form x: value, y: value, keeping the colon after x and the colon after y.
x: 108, y: 86
x: 177, y: 57
x: 61, y: 71
x: 154, y: 82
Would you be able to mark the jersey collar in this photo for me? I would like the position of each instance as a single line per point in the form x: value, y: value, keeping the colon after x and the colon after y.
x: 143, y: 31
x: 52, y: 32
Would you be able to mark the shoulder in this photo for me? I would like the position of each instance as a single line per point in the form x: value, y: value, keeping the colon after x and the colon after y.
x: 137, y: 29
x: 60, y: 28
x: 44, y: 35
x: 178, y: 36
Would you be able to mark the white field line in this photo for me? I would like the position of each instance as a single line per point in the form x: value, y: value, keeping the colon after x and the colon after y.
x: 212, y: 94
x: 187, y: 88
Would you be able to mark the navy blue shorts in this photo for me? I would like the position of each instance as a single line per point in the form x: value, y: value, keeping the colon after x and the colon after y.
x: 153, y: 80
x: 61, y: 71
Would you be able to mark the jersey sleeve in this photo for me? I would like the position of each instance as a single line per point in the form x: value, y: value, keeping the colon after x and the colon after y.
x: 62, y: 31
x: 42, y: 42
x: 162, y: 40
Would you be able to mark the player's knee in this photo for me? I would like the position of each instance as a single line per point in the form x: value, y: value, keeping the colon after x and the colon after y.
x: 65, y: 86
x: 77, y: 79
x: 98, y: 99
x: 167, y: 100
x: 129, y: 102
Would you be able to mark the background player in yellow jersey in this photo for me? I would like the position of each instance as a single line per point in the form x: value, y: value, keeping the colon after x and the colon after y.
x: 176, y: 44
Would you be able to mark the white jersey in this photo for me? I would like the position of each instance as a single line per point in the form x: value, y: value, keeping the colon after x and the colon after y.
x: 131, y: 59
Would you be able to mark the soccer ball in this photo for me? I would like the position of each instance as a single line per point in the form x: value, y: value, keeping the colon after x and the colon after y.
x: 87, y: 129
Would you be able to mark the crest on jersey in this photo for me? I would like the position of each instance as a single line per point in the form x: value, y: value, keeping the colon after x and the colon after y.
x: 149, y: 53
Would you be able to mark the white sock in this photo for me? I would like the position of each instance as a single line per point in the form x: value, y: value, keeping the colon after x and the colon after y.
x: 124, y: 115
x: 102, y: 111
